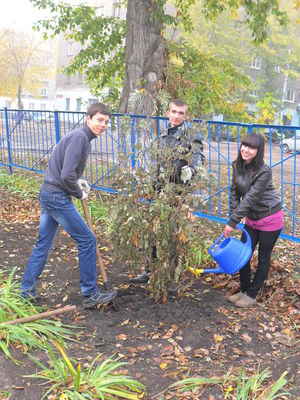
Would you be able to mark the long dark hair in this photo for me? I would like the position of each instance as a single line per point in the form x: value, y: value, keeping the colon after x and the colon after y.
x: 255, y: 141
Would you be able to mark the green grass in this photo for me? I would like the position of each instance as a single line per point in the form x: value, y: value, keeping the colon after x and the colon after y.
x: 5, y: 395
x: 24, y: 184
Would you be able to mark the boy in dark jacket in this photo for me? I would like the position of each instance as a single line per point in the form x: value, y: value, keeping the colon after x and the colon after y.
x: 63, y: 180
x: 175, y: 136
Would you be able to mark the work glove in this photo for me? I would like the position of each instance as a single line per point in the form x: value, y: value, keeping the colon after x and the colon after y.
x: 83, y: 185
x: 186, y: 174
x: 84, y: 196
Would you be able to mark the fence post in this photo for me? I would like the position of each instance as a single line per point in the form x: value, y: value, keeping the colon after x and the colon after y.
x: 57, y: 130
x: 132, y: 144
x: 8, y: 141
x: 249, y: 129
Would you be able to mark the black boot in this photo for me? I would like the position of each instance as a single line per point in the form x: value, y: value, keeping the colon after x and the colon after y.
x: 142, y: 278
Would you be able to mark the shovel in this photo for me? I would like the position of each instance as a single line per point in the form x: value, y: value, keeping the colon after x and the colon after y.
x: 100, y: 264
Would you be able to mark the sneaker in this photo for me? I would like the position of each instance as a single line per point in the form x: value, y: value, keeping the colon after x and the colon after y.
x: 235, y: 297
x: 246, y: 301
x: 98, y: 298
x: 140, y: 279
x: 36, y: 298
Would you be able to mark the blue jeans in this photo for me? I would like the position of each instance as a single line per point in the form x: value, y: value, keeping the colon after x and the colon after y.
x: 58, y: 209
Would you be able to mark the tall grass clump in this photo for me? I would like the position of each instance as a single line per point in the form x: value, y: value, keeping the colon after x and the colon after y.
x: 97, y: 381
x: 256, y: 386
x: 28, y: 335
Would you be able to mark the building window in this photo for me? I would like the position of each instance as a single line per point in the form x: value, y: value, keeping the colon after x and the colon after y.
x: 43, y: 106
x: 31, y: 106
x: 116, y: 9
x: 256, y: 63
x: 46, y: 61
x: 78, y: 104
x: 44, y: 92
x: 253, y: 93
x: 70, y: 48
x: 100, y: 11
x: 68, y: 79
x: 79, y: 77
x: 92, y: 101
x: 67, y: 104
x: 277, y: 69
x: 289, y: 95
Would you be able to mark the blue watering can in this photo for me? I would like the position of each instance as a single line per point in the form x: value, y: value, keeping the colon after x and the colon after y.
x: 231, y: 255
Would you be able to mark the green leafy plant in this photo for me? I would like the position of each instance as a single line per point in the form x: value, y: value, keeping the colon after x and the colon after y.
x: 28, y: 335
x: 151, y: 210
x: 224, y: 82
x: 101, y: 381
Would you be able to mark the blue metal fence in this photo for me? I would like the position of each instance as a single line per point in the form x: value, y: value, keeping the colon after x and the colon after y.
x: 28, y: 137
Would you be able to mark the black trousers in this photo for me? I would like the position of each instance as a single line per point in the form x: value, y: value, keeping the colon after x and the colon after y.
x: 266, y: 242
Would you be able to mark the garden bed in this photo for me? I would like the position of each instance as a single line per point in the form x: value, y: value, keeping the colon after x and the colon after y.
x: 197, y: 333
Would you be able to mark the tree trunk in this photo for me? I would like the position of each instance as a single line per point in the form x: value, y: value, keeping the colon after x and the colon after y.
x: 20, y: 104
x: 146, y: 57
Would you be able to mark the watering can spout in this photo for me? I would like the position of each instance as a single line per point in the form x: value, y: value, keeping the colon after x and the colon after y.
x: 198, y: 271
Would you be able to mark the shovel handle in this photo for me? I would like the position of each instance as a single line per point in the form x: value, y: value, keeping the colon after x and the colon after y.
x: 99, y: 258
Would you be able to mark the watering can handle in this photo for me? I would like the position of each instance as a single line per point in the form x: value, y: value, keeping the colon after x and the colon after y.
x: 248, y: 239
x: 214, y: 244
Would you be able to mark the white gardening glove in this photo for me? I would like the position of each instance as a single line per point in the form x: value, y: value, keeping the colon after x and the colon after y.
x: 186, y: 174
x: 84, y: 196
x: 83, y: 185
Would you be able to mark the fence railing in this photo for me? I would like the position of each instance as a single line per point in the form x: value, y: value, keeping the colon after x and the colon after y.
x: 27, y: 139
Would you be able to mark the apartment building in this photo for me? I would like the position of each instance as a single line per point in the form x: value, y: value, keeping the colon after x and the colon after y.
x: 286, y: 88
x: 72, y: 94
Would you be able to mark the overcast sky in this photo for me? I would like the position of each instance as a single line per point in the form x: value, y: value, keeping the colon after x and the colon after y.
x: 19, y: 15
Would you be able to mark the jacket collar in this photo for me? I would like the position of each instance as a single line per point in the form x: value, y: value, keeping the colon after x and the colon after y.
x: 88, y: 132
x: 176, y: 131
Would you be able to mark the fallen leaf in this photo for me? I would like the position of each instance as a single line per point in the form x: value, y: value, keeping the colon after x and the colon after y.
x: 163, y: 365
x: 122, y: 337
x: 218, y: 338
x: 246, y: 337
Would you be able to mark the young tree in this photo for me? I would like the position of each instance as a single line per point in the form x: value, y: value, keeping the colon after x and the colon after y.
x: 21, y: 64
x: 103, y: 56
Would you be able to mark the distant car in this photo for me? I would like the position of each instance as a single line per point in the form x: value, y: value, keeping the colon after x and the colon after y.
x: 219, y: 133
x: 291, y: 144
x: 273, y: 135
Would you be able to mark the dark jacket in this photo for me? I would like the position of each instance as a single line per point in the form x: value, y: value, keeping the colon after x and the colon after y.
x: 181, y: 139
x: 252, y: 196
x: 67, y: 162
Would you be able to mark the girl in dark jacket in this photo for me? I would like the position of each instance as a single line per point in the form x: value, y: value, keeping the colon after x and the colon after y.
x: 253, y: 196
